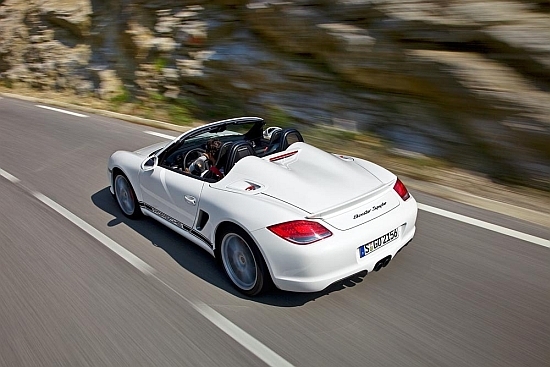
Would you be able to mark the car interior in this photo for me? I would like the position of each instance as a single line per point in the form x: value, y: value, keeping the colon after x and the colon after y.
x: 235, y: 146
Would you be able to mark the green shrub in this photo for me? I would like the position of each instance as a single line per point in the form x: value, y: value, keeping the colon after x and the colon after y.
x: 123, y: 97
x: 160, y: 63
x: 179, y: 114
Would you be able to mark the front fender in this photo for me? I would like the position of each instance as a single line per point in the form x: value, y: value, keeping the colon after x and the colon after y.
x: 129, y: 163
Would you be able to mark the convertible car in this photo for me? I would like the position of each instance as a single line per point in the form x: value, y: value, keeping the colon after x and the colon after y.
x: 273, y: 209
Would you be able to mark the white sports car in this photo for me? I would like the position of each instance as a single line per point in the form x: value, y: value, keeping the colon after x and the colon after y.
x: 272, y: 209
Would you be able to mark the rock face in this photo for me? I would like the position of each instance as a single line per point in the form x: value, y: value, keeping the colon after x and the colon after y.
x: 465, y: 80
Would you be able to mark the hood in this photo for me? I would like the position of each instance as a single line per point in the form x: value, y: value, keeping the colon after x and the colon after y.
x: 306, y: 177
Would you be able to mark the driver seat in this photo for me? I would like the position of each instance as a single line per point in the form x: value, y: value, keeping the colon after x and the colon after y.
x: 222, y: 155
x: 237, y: 152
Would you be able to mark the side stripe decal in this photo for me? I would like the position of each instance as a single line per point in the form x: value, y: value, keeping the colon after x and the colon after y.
x: 201, y: 237
x: 175, y: 222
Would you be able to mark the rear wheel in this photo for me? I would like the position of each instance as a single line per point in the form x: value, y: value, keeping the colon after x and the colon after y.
x: 242, y: 261
x: 126, y: 197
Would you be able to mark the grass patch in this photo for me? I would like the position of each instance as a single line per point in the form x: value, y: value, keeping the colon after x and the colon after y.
x: 124, y: 96
x: 156, y: 97
x: 160, y: 63
x: 179, y: 114
x: 221, y: 108
x: 7, y: 83
x: 180, y: 111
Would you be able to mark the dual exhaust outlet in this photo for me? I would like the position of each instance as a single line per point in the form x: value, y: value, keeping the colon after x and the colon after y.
x: 382, y: 263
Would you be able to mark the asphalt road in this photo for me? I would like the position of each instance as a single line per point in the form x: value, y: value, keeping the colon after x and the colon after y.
x: 461, y: 294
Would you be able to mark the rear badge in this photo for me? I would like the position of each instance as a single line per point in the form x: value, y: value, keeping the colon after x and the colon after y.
x: 376, y: 207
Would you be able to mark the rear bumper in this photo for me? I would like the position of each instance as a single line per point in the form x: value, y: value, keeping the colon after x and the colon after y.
x: 312, y: 268
x: 308, y: 284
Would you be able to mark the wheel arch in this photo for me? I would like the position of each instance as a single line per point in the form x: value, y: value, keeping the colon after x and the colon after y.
x: 126, y: 163
x: 220, y: 230
x: 117, y: 170
x: 224, y: 226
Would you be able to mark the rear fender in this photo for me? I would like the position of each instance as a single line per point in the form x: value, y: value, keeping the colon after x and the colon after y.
x: 250, y: 212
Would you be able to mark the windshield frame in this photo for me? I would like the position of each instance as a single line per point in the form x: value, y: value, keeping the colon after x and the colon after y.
x: 215, y: 128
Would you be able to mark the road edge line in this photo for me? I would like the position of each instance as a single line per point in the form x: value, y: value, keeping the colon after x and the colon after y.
x: 486, y: 225
x: 98, y: 235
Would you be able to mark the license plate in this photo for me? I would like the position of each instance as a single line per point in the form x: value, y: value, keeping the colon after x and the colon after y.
x: 372, y: 246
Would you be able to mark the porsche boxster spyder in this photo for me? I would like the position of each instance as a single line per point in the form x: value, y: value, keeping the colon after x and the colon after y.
x: 271, y: 208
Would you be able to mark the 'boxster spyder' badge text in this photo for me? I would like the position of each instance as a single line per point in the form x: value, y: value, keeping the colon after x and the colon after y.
x: 376, y: 207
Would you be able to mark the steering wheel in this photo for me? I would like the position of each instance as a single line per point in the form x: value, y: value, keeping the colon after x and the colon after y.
x: 192, y: 154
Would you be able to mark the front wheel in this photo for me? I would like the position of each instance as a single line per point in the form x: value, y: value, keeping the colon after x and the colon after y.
x: 126, y: 197
x: 242, y: 261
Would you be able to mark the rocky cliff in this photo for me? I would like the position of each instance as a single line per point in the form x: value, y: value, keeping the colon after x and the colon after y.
x: 465, y: 80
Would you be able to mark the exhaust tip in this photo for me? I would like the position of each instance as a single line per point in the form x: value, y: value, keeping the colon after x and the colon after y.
x: 382, y: 263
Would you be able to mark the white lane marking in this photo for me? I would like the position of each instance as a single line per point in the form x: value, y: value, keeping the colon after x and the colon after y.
x: 492, y: 227
x: 8, y: 176
x: 108, y: 242
x: 161, y: 135
x: 62, y: 111
x: 239, y: 335
x: 236, y: 333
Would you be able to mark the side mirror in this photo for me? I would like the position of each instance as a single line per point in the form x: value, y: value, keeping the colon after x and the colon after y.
x: 150, y: 163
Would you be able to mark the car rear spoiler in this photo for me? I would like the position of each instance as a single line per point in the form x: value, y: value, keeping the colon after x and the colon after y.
x: 338, y: 208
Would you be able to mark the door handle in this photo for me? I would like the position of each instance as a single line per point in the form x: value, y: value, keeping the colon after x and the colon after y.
x: 190, y: 199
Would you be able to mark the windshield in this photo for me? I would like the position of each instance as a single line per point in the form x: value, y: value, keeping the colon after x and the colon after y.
x: 249, y: 129
x: 209, y: 135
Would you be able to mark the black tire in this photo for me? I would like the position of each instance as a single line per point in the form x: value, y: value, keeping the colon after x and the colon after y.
x: 126, y: 197
x: 242, y: 262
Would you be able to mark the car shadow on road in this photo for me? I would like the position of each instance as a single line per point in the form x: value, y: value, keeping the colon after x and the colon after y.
x: 199, y: 262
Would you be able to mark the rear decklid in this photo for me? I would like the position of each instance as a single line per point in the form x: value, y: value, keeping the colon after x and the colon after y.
x: 333, y: 188
x: 361, y: 210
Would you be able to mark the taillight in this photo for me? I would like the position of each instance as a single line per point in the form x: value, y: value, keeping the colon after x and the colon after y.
x: 401, y: 190
x: 301, y: 232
